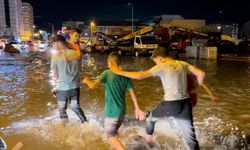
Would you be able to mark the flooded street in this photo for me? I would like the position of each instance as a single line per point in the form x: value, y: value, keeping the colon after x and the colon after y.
x: 28, y: 111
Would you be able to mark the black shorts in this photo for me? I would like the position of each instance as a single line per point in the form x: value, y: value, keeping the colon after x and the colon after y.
x: 172, y: 108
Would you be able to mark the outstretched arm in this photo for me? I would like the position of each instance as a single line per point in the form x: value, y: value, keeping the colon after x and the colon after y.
x: 91, y: 84
x: 132, y: 75
x: 209, y: 93
x: 139, y: 114
x: 200, y: 74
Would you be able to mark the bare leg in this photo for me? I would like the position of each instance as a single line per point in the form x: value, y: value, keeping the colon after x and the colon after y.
x: 116, y: 143
x: 148, y: 138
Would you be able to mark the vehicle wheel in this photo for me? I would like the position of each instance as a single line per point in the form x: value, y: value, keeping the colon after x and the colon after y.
x: 1, y: 47
x: 136, y: 54
x: 102, y: 50
x: 22, y: 48
x: 132, y: 51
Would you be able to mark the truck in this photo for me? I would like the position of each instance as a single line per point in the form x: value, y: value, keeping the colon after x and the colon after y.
x: 182, y: 37
x: 140, y: 44
x: 136, y: 43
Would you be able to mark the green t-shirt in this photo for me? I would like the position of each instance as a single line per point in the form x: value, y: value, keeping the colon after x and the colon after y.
x: 115, y: 90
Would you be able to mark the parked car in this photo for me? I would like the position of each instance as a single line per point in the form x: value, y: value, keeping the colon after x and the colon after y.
x: 43, y: 44
x: 19, y: 45
x: 29, y: 43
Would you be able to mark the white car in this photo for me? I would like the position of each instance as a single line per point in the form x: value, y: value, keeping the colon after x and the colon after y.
x: 19, y: 46
x: 43, y: 44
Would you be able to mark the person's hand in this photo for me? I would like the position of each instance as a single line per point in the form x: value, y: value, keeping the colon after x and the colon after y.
x: 85, y: 80
x: 140, y: 115
x: 194, y: 91
x: 115, y: 69
x: 214, y: 98
x: 65, y: 58
x: 54, y: 92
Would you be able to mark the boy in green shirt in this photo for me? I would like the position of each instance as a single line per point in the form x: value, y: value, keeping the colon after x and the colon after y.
x: 115, y: 105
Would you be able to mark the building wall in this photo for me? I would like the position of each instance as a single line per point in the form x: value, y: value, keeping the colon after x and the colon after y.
x: 15, y: 17
x: 72, y: 24
x: 246, y: 29
x: 15, y: 27
x: 194, y: 24
x: 28, y: 22
x: 230, y: 29
x: 2, y: 18
x: 166, y: 17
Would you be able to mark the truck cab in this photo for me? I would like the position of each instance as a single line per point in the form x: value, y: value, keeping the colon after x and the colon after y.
x: 138, y: 45
x: 144, y: 45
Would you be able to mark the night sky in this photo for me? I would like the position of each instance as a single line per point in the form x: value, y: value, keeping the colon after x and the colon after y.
x: 57, y: 11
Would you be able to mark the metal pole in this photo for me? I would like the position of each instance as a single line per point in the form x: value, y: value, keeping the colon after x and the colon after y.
x: 132, y: 7
x: 132, y: 18
x: 53, y: 31
x: 52, y: 27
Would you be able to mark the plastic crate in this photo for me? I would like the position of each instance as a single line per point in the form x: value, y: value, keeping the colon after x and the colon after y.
x: 208, y: 52
x: 192, y: 51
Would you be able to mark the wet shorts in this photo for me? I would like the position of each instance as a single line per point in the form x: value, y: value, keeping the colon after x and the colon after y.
x: 111, y: 126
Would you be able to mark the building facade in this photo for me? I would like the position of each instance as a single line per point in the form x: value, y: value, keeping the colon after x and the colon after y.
x: 28, y: 22
x: 112, y: 27
x: 158, y: 19
x: 193, y: 24
x: 229, y: 29
x: 246, y: 30
x: 10, y: 18
x: 70, y: 25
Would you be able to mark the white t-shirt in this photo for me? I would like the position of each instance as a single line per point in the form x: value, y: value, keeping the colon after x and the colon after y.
x: 173, y: 76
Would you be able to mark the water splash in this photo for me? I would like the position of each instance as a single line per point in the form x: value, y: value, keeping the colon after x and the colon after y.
x: 212, y: 133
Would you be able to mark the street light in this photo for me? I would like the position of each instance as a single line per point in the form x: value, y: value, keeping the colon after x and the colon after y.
x: 52, y: 27
x: 92, y: 25
x: 132, y: 6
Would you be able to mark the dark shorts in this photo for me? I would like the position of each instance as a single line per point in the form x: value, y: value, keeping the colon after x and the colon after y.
x: 111, y: 126
x: 68, y: 95
x: 63, y: 98
x: 171, y: 108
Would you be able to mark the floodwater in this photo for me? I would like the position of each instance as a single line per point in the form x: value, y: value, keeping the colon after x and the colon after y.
x: 28, y: 111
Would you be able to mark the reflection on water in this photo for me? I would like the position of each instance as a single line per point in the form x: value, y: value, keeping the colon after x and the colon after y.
x: 28, y: 112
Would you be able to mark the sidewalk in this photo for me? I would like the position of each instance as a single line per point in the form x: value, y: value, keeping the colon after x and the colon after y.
x: 234, y: 57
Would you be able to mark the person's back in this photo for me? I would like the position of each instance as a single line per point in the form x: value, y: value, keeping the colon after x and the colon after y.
x: 115, y: 89
x: 68, y: 70
x: 173, y: 75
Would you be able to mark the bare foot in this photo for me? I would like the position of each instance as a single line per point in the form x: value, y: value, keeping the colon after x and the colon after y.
x: 85, y: 124
x: 148, y: 138
x: 18, y: 146
x: 65, y: 121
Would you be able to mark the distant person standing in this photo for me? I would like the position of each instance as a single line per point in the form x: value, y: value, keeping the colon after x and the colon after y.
x: 73, y: 43
x: 176, y: 103
x: 67, y: 75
